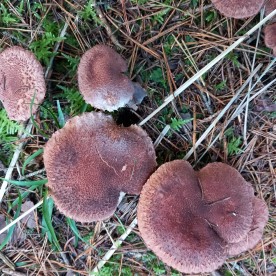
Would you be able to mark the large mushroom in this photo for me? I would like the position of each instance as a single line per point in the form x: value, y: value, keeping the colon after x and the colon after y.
x: 91, y: 160
x: 102, y: 80
x: 21, y: 80
x: 188, y: 219
x: 238, y: 8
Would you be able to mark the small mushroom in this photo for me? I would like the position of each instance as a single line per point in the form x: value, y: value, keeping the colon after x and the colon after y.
x: 188, y: 218
x: 91, y: 160
x: 21, y: 80
x: 270, y: 37
x: 102, y: 80
x: 260, y: 218
x: 238, y: 8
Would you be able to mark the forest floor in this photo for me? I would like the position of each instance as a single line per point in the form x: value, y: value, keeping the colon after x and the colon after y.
x: 165, y: 43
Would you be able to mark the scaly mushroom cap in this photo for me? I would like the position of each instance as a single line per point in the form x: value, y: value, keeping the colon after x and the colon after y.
x: 238, y: 8
x: 270, y: 6
x: 270, y: 37
x: 21, y: 80
x: 91, y: 160
x: 184, y: 218
x: 230, y: 199
x: 260, y: 218
x: 102, y: 81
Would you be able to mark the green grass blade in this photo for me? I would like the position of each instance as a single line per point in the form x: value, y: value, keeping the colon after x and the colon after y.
x: 48, y: 221
x: 26, y: 183
x: 23, y: 196
x: 61, y: 119
x: 10, y: 231
x: 30, y: 158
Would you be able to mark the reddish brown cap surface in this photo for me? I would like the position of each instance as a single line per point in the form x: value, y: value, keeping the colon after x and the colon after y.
x: 270, y: 37
x: 260, y: 218
x: 102, y: 81
x: 171, y: 219
x: 238, y: 8
x: 21, y: 79
x: 91, y: 160
x: 230, y: 199
x: 270, y: 6
x: 184, y: 218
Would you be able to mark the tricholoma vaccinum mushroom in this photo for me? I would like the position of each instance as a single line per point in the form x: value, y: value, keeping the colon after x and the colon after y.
x: 102, y: 80
x: 21, y: 80
x: 270, y: 37
x: 238, y: 8
x: 192, y: 220
x: 91, y: 160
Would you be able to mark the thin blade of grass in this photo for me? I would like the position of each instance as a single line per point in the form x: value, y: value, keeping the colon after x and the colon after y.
x: 30, y: 158
x: 26, y: 183
x: 10, y: 232
x: 48, y: 221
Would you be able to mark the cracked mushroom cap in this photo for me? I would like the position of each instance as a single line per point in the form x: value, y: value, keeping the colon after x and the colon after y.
x: 91, y: 160
x: 184, y: 218
x: 21, y: 79
x: 260, y: 218
x: 102, y: 80
x: 270, y: 37
x: 238, y: 8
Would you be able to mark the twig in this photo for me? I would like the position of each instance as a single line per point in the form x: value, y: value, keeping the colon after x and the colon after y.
x: 7, y: 261
x: 114, y: 247
x: 14, y: 160
x: 31, y: 174
x: 21, y: 217
x: 12, y: 272
x: 250, y: 84
x: 220, y: 115
x: 105, y: 25
x: 206, y: 68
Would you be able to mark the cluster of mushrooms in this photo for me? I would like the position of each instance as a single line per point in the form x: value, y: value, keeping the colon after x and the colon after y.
x: 192, y: 220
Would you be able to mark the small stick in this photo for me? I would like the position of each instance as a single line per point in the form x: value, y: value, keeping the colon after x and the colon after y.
x: 105, y: 24
x: 14, y: 160
x: 7, y: 261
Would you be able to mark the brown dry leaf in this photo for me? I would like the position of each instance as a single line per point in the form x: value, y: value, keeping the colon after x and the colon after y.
x: 30, y: 219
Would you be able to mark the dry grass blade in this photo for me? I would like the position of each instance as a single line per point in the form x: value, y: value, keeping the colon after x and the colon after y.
x: 222, y: 113
x: 14, y: 160
x: 206, y: 68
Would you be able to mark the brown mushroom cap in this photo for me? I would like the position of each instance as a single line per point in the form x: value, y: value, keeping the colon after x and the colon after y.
x: 102, y: 81
x: 270, y: 6
x: 21, y: 80
x: 230, y: 198
x: 91, y: 160
x: 183, y: 217
x: 260, y: 218
x: 238, y: 8
x: 270, y: 37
